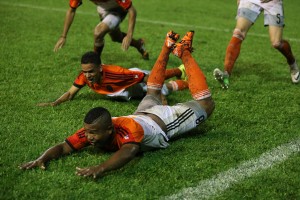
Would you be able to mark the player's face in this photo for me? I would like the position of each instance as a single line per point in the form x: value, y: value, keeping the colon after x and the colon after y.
x: 97, y: 134
x: 91, y: 72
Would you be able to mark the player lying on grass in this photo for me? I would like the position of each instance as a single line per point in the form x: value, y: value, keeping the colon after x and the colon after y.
x: 150, y: 127
x: 248, y: 12
x: 111, y: 13
x: 117, y: 82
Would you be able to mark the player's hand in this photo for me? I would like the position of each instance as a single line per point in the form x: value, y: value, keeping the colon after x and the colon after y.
x: 265, y: 1
x: 126, y: 42
x: 60, y: 43
x: 94, y: 171
x: 33, y: 164
x: 46, y: 104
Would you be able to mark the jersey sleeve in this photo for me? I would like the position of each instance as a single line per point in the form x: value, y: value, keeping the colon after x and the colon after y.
x: 80, y: 81
x: 127, y: 131
x: 75, y: 3
x: 78, y: 140
x: 125, y: 4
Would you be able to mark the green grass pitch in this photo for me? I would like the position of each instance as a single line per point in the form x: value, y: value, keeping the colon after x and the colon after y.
x: 258, y: 113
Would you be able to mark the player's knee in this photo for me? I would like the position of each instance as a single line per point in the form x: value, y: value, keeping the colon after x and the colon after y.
x: 211, y: 105
x: 100, y: 31
x: 98, y: 35
x: 238, y: 33
x: 208, y: 104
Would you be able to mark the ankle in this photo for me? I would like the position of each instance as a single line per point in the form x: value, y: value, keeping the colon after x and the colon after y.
x: 294, y: 66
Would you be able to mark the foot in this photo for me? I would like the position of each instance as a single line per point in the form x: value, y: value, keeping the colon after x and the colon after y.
x: 171, y: 39
x: 222, y: 77
x: 295, y: 74
x: 183, y: 73
x: 184, y: 44
x: 142, y: 50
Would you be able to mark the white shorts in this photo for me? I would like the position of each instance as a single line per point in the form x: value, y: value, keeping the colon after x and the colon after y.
x: 112, y: 21
x: 136, y: 91
x: 154, y: 136
x: 111, y: 13
x: 273, y: 11
x: 179, y: 119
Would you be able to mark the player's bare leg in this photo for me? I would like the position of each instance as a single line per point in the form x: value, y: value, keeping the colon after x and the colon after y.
x: 232, y: 52
x: 118, y: 36
x: 284, y: 48
x: 100, y: 31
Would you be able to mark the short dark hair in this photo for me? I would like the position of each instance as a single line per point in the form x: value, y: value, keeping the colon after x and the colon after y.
x: 96, y: 113
x: 91, y: 57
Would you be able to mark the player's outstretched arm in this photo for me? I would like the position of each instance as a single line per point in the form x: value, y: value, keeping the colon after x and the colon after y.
x: 120, y: 158
x: 50, y: 154
x: 69, y: 95
x: 67, y: 24
x: 131, y: 24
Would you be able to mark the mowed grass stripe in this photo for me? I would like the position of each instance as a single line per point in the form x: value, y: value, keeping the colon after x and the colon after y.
x: 149, y: 21
x: 212, y: 187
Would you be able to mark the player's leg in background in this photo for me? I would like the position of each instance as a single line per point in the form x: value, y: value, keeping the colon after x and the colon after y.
x: 247, y: 14
x: 117, y: 36
x: 109, y: 22
x: 233, y: 51
x: 284, y: 48
x: 99, y: 33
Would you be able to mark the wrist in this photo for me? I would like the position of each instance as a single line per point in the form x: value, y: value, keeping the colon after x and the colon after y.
x: 55, y: 103
x: 100, y: 170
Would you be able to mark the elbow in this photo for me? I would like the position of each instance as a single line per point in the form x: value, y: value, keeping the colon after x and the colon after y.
x: 69, y: 95
x: 133, y: 152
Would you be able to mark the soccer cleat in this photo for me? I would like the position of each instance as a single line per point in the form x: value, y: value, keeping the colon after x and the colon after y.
x: 185, y: 43
x: 222, y: 77
x: 295, y: 74
x: 142, y: 50
x: 171, y: 39
x: 183, y: 73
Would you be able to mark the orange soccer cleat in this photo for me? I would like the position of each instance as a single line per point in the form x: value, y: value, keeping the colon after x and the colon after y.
x: 171, y: 39
x: 185, y: 43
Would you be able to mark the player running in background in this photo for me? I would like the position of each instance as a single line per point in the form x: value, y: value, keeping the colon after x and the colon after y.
x: 150, y: 127
x: 248, y: 12
x: 111, y: 13
x: 117, y: 82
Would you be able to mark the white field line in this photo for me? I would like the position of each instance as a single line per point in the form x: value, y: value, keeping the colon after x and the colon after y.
x: 219, y: 183
x: 141, y: 20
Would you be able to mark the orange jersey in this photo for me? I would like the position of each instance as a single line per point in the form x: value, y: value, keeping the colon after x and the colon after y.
x: 125, y: 4
x: 114, y: 79
x: 126, y: 131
